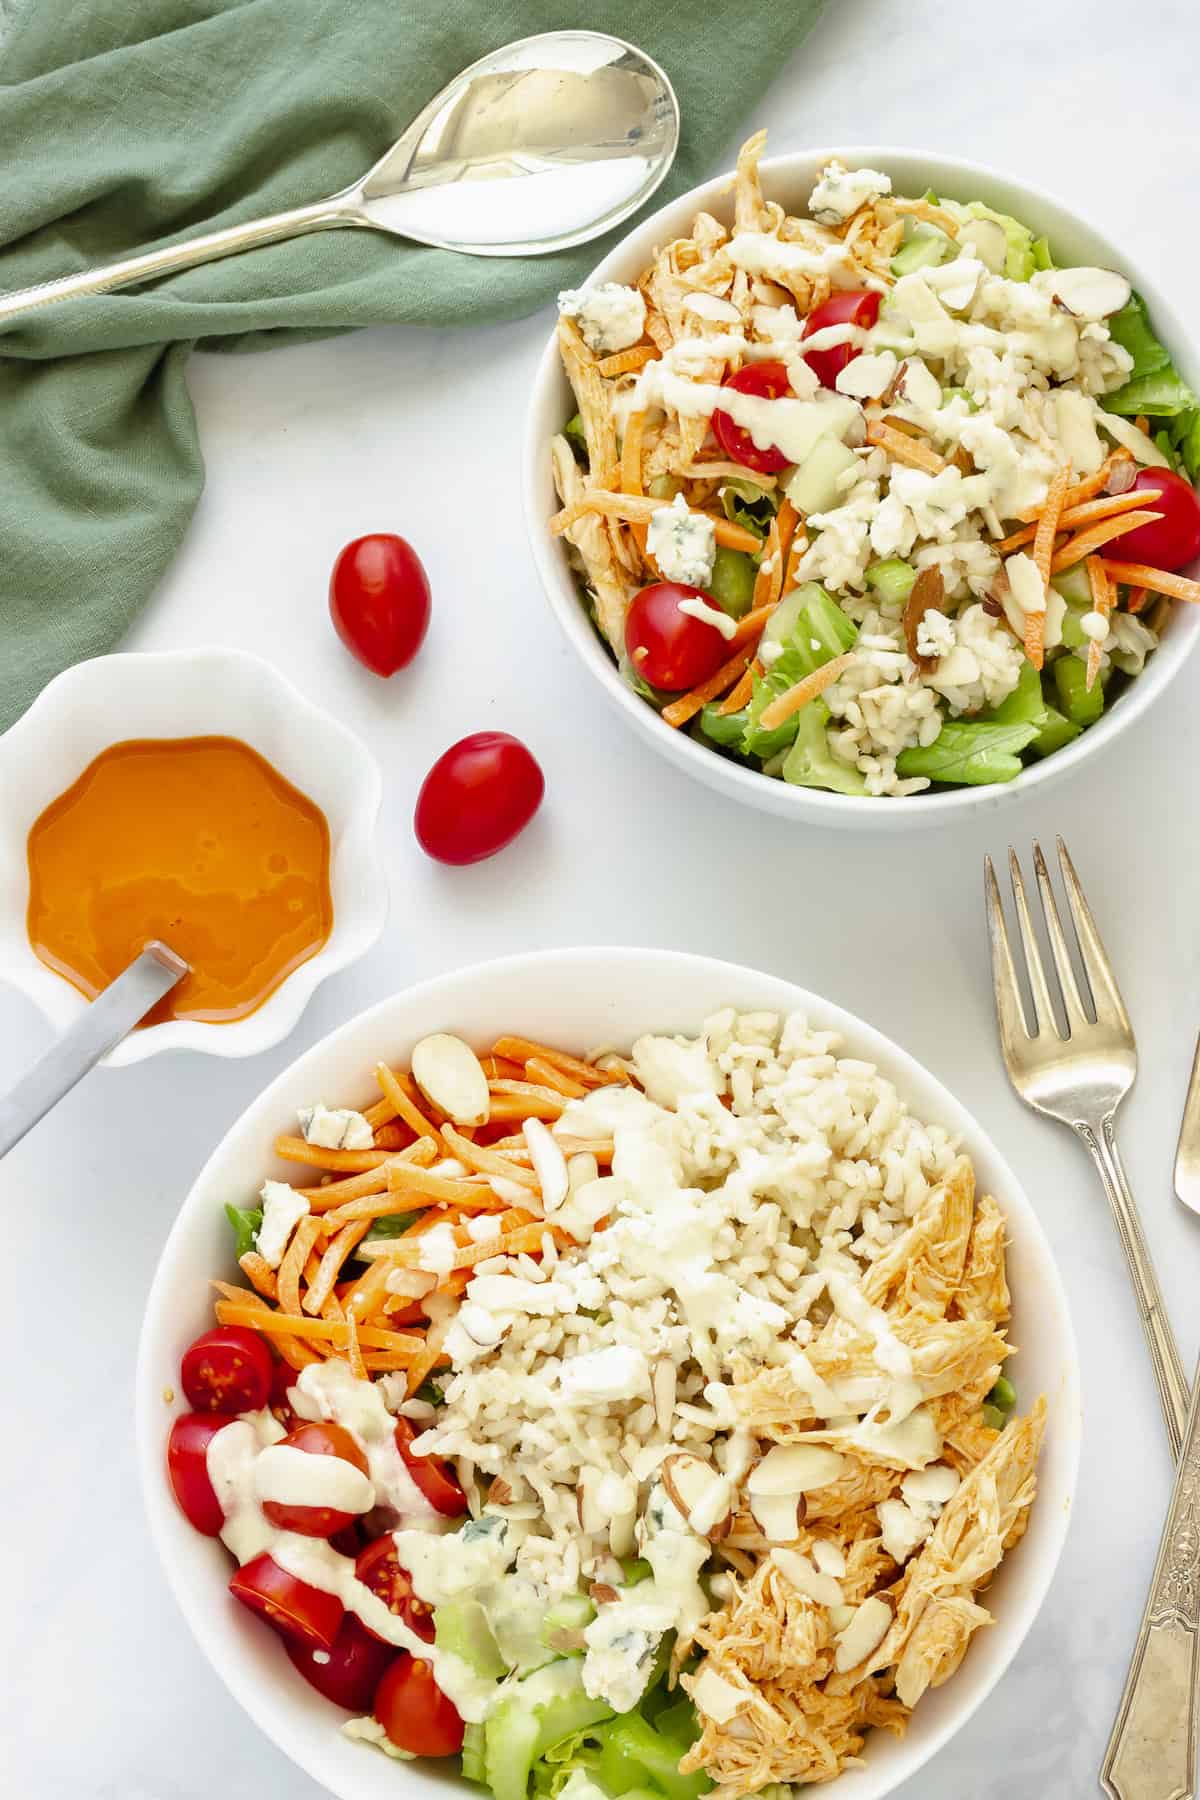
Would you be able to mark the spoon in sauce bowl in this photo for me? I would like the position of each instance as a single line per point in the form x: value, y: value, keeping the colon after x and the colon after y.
x: 107, y: 1020
x: 541, y: 144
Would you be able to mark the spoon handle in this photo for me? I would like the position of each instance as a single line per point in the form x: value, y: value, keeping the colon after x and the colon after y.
x: 107, y: 1020
x: 340, y: 209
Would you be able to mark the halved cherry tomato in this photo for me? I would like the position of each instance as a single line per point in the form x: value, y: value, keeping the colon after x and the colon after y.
x: 302, y: 1613
x: 379, y: 1569
x: 349, y: 1672
x: 433, y: 1476
x: 769, y: 381
x: 1172, y: 541
x: 379, y: 601
x: 187, y: 1468
x: 283, y: 1379
x: 476, y: 798
x: 348, y: 1541
x: 414, y: 1712
x: 318, y: 1439
x: 857, y: 306
x: 668, y: 648
x: 227, y: 1370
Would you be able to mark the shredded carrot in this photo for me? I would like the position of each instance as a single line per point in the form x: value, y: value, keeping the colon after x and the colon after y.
x: 324, y: 1198
x: 394, y: 1136
x: 1159, y: 581
x: 499, y: 1068
x: 259, y: 1273
x: 784, y: 705
x: 294, y: 1353
x: 688, y: 705
x: 423, y: 1184
x: 1043, y: 551
x: 385, y: 1206
x: 340, y: 1245
x: 546, y: 1075
x: 294, y: 1259
x: 369, y: 1290
x: 739, y: 694
x: 1102, y: 602
x: 519, y: 1049
x: 377, y: 1362
x: 915, y: 452
x: 1083, y: 490
x: 525, y: 1238
x: 383, y: 1110
x: 627, y: 362
x: 353, y: 1350
x: 294, y: 1149
x: 770, y: 564
x: 631, y: 453
x: 399, y: 1100
x: 426, y: 1359
x: 1136, y: 598
x: 317, y: 1331
x: 1142, y: 424
x: 1076, y: 548
x: 639, y: 509
x: 488, y: 1162
x: 1087, y: 513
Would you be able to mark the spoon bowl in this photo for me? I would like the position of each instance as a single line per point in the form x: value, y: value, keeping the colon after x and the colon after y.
x: 544, y: 143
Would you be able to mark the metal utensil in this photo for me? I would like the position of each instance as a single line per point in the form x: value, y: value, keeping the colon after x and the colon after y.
x: 1151, y: 1754
x: 107, y: 1020
x: 1187, y: 1154
x: 544, y: 143
x: 1081, y: 1077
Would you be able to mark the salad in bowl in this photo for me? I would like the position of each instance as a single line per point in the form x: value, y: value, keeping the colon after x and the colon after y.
x: 876, y: 499
x: 615, y: 1425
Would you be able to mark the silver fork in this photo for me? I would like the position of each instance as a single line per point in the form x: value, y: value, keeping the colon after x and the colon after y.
x: 1082, y: 1077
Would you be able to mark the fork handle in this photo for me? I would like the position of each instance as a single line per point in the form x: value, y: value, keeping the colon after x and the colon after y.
x: 1152, y: 1752
x: 1160, y: 1339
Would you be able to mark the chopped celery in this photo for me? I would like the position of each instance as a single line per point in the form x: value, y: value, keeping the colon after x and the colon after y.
x: 924, y: 247
x: 748, y: 504
x: 571, y: 1613
x: 473, y: 1765
x: 679, y: 1723
x: 1074, y: 586
x: 1042, y: 259
x: 1026, y: 705
x: 892, y: 580
x: 658, y: 1756
x: 1003, y: 1394
x: 618, y: 1771
x: 726, y: 729
x: 1055, y: 732
x: 811, y: 763
x: 993, y: 1418
x: 538, y: 1711
x: 462, y: 1630
x: 732, y: 581
x: 969, y: 754
x: 1019, y: 262
x: 635, y: 1569
x: 814, y: 487
x: 1070, y: 678
x: 574, y: 433
x: 246, y: 1225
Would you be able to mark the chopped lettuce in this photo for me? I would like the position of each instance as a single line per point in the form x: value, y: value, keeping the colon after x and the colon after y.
x: 246, y: 1224
x: 750, y: 505
x: 1155, y: 386
x: 1184, y: 431
x: 822, y: 631
x: 725, y: 729
x: 811, y: 763
x: 968, y: 753
x: 1020, y: 260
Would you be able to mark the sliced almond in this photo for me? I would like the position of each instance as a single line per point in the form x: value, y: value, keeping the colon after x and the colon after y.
x: 918, y: 385
x: 451, y: 1076
x: 601, y: 1593
x: 865, y: 1632
x: 565, y: 1641
x: 715, y: 1697
x: 1088, y: 293
x: 928, y: 593
x: 549, y: 1164
x: 986, y: 240
x: 700, y: 1492
x: 664, y: 1384
x: 794, y: 1469
x: 778, y: 1516
x: 621, y: 1533
x: 1121, y: 476
x: 823, y: 1590
x: 500, y: 1493
x: 591, y: 1513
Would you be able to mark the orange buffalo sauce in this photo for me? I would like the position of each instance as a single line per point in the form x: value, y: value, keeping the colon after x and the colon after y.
x: 197, y: 841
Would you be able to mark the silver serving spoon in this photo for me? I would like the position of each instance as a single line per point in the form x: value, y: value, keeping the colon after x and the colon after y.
x: 109, y: 1018
x: 544, y: 143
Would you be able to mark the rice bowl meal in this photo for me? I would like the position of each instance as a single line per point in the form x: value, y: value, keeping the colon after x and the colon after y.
x: 877, y: 500
x: 635, y: 1423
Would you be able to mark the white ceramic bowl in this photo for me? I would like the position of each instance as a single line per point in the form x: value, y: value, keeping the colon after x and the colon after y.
x: 576, y: 998
x: 790, y: 179
x: 191, y: 693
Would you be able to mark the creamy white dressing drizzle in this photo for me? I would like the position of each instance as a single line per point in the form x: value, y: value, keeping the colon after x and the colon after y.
x: 789, y: 425
x: 286, y: 1475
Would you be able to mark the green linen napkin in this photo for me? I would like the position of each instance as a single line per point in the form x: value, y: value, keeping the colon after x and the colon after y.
x: 128, y: 124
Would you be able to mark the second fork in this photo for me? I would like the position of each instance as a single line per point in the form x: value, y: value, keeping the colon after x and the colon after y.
x: 1080, y: 1076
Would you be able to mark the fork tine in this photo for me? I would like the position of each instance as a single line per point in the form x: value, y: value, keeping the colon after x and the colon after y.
x: 1043, y: 1005
x: 1072, y: 1004
x: 1110, y: 1008
x: 1009, y: 1014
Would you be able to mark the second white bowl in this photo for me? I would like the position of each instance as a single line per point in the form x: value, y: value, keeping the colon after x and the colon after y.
x: 790, y: 179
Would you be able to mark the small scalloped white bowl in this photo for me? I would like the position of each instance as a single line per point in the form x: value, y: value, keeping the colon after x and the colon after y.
x: 790, y: 179
x: 577, y: 998
x: 191, y: 693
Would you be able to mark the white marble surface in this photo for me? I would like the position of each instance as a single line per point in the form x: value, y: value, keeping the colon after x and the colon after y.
x: 104, y: 1697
